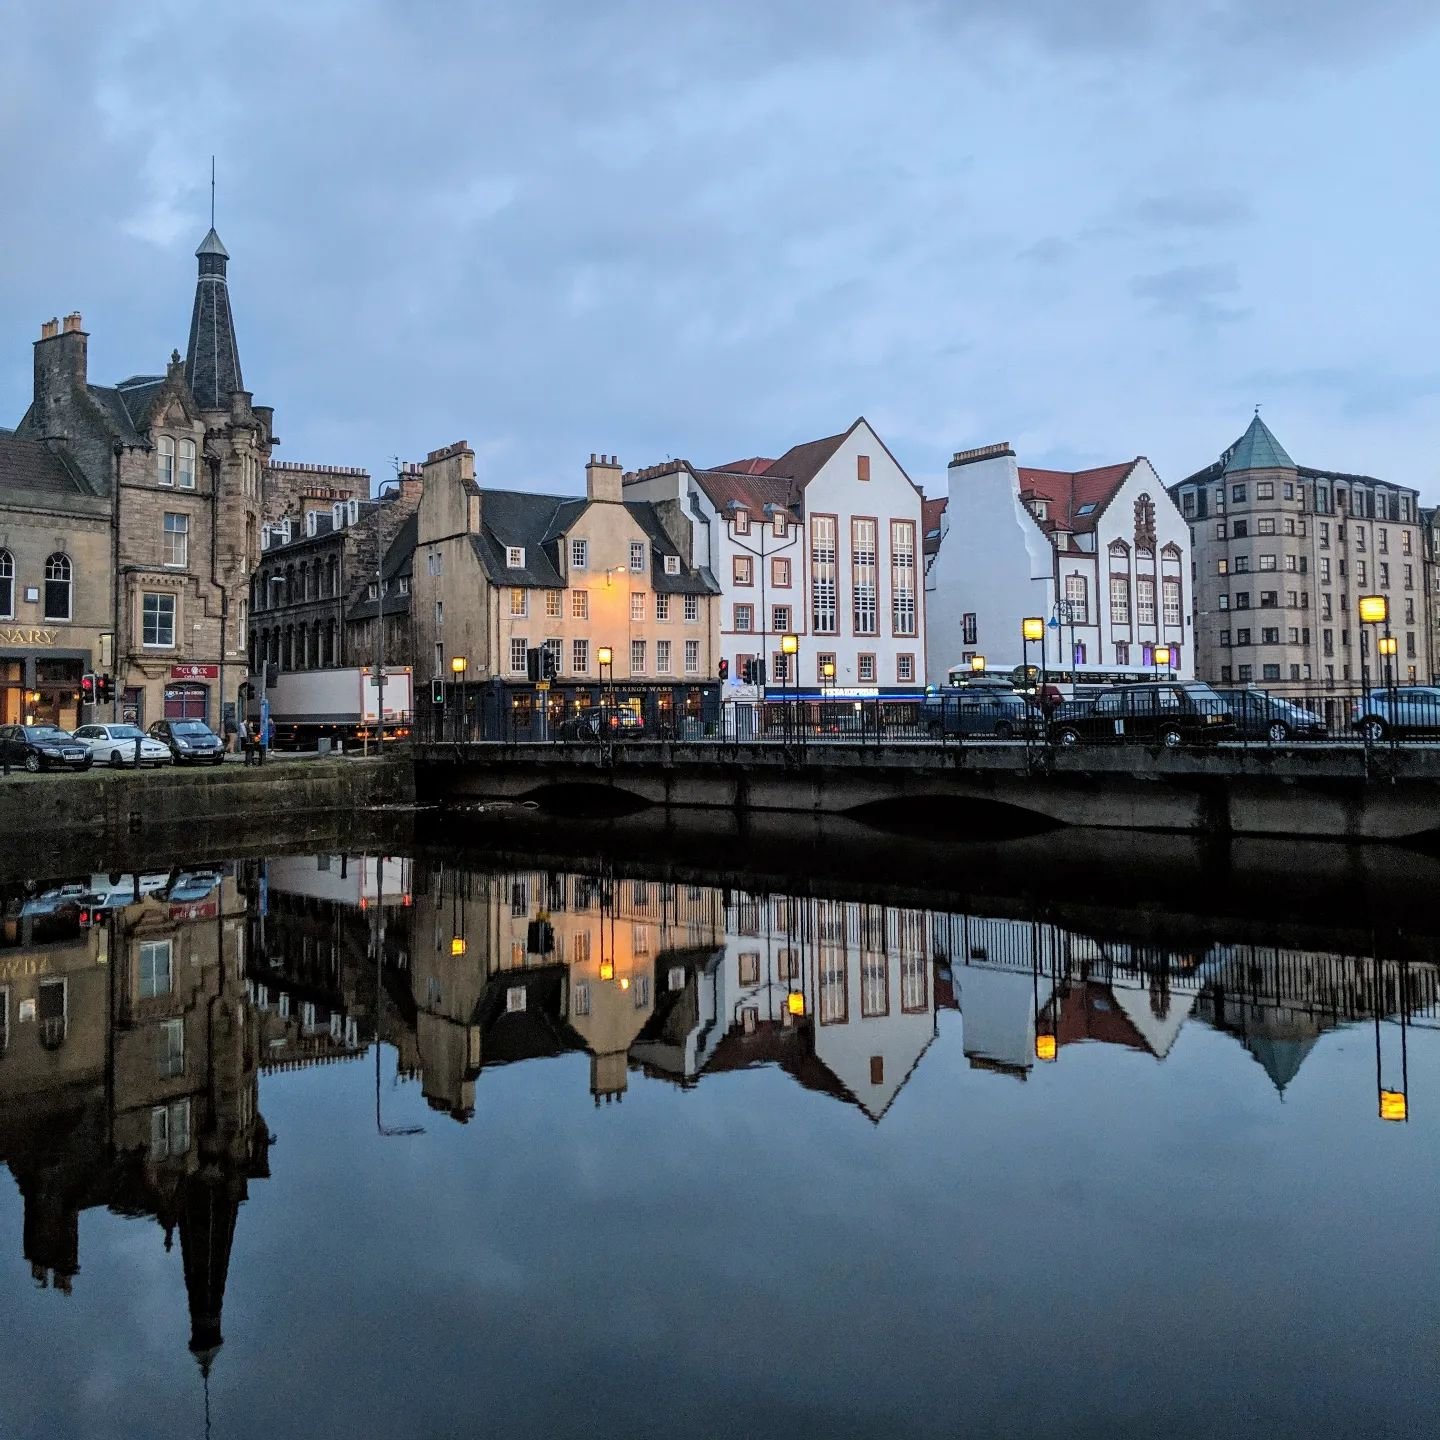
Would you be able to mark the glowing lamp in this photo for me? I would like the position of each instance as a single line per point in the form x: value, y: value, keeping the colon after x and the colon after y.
x: 789, y: 644
x: 795, y: 1002
x: 624, y: 982
x: 1045, y: 1047
x: 459, y: 665
x: 1393, y: 1105
x: 977, y: 664
x: 457, y: 945
x: 603, y: 655
x: 1386, y: 645
x: 607, y: 969
x: 1032, y: 629
x: 1374, y: 609
x: 1162, y: 654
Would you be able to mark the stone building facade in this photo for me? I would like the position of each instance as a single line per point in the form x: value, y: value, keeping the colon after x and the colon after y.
x: 1283, y: 553
x: 173, y: 466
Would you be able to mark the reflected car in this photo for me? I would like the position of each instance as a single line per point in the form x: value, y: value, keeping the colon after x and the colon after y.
x: 1169, y: 714
x: 42, y: 747
x: 978, y: 710
x: 115, y: 891
x: 115, y: 745
x: 1262, y: 716
x: 190, y: 742
x: 191, y: 886
x: 1405, y: 710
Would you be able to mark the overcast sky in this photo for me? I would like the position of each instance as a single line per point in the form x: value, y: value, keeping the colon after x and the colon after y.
x: 1094, y: 228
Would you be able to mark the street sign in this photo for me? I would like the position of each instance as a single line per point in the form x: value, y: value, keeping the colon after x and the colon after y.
x: 542, y: 684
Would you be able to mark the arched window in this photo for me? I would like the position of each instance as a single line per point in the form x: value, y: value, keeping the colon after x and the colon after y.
x: 7, y: 585
x: 186, y: 457
x: 287, y: 652
x: 58, y: 585
x: 165, y: 460
x: 1077, y: 598
x: 332, y: 583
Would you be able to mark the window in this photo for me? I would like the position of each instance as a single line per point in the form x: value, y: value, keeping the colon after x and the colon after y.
x: 185, y: 464
x: 824, y: 658
x: 744, y: 618
x: 781, y: 525
x: 637, y: 556
x: 579, y: 604
x: 637, y: 657
x: 1269, y: 599
x: 556, y: 647
x: 579, y: 554
x: 1361, y: 572
x: 1224, y: 641
x: 1267, y: 562
x: 519, y: 649
x: 170, y: 1049
x: 1324, y: 534
x: 554, y: 604
x: 156, y: 976
x: 1242, y: 564
x: 905, y: 669
x: 58, y: 586
x: 968, y: 628
x: 1359, y: 538
x: 1224, y: 602
x: 865, y: 669
x: 662, y: 607
x: 157, y: 621
x: 170, y: 1130
x: 1242, y: 637
x: 1324, y: 569
x: 1187, y: 504
x: 1409, y: 577
x: 582, y: 999
x: 1220, y: 530
x: 662, y: 657
x: 1384, y: 542
x: 1222, y: 567
x: 1247, y: 673
x: 1242, y: 599
x: 1293, y: 635
x: 637, y: 606
x: 1404, y: 542
x: 692, y: 608
x: 1384, y: 573
x: 743, y: 570
x: 435, y: 562
x: 822, y: 574
x: 1237, y: 493
x: 780, y: 618
x: 1270, y: 672
x: 1270, y: 635
x: 519, y: 602
x: 7, y: 585
x: 1077, y: 599
x: 874, y: 986
x: 862, y: 467
x: 902, y: 576
x: 742, y: 521
x: 1241, y: 529
x: 864, y: 582
x: 1170, y: 593
x: 580, y: 657
x: 1145, y: 599
x: 1265, y: 490
x: 780, y: 572
x: 1265, y: 527
x: 692, y: 657
x: 779, y: 667
x: 165, y: 460
x: 515, y: 557
x: 672, y: 564
x: 749, y: 964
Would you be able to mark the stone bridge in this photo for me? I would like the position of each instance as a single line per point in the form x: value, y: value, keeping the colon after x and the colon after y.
x: 1341, y: 792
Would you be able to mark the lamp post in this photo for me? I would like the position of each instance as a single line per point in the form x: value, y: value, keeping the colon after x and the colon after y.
x: 1161, y: 656
x: 458, y: 666
x: 1374, y: 610
x: 790, y: 649
x: 605, y: 658
x: 977, y: 664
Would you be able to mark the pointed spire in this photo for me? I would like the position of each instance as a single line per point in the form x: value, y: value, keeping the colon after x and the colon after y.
x: 212, y: 362
x: 207, y: 1231
x: 1257, y: 449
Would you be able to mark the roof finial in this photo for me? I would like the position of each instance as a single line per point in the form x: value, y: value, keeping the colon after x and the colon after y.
x: 1257, y: 403
x: 212, y: 193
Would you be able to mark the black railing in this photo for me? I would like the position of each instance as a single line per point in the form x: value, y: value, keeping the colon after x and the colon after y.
x: 1169, y: 715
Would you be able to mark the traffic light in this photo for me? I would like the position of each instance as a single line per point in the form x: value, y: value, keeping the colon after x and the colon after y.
x: 437, y: 693
x: 87, y: 688
x: 548, y: 667
x: 747, y: 671
x: 532, y: 663
x: 724, y: 669
x: 104, y: 689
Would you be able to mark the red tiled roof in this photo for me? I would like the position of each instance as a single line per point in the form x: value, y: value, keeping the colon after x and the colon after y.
x: 755, y: 465
x: 802, y: 463
x: 932, y: 510
x: 753, y: 492
x: 1065, y: 492
x: 1089, y: 1012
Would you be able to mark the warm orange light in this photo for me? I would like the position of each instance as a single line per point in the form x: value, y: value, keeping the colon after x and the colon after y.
x: 603, y: 655
x: 1374, y: 609
x: 1045, y: 1047
x: 1386, y: 645
x: 1162, y: 654
x: 624, y: 982
x: 795, y: 1002
x: 459, y: 664
x: 789, y: 644
x: 364, y: 902
x: 977, y: 664
x: 1032, y: 629
x: 607, y: 969
x: 1393, y: 1105
x: 457, y: 945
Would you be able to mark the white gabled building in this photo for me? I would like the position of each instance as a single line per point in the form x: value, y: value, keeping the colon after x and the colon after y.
x: 1105, y: 551
x: 824, y: 543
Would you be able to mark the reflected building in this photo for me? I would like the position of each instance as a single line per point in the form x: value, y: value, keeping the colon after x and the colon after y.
x: 128, y: 1072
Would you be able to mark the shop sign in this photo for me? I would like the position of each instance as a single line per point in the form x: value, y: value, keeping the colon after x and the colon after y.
x: 17, y: 636
x: 194, y: 672
x: 200, y: 910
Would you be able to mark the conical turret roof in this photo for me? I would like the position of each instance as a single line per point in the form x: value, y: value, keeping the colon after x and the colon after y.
x: 212, y: 360
x: 1258, y: 449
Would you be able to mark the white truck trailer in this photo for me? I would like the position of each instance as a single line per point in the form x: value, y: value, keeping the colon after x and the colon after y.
x: 341, y: 706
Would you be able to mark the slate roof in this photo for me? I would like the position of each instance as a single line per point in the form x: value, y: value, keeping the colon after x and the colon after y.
x: 212, y: 358
x: 35, y: 473
x: 689, y: 581
x: 1068, y: 492
x: 137, y: 394
x: 399, y: 563
x: 112, y: 405
x: 932, y: 512
x: 1257, y: 449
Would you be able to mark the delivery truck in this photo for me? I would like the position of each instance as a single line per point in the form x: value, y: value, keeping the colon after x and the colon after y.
x: 338, y: 706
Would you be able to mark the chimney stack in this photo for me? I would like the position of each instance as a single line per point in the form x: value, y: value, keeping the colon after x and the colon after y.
x: 60, y: 375
x: 603, y: 478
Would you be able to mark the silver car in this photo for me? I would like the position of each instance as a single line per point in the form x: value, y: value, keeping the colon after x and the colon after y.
x: 115, y: 745
x: 1407, y: 710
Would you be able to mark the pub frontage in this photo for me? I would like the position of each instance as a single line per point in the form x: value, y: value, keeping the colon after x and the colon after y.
x: 497, y: 710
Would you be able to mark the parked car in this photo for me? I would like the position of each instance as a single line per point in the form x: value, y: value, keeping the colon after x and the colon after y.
x: 115, y: 745
x: 190, y: 742
x: 192, y: 886
x: 618, y: 722
x: 42, y: 747
x: 1259, y: 715
x: 977, y: 710
x: 1168, y: 714
x: 115, y: 891
x: 1406, y: 710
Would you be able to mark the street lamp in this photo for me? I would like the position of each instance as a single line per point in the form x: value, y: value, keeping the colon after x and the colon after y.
x: 790, y: 649
x: 977, y: 664
x: 1161, y: 655
x: 458, y: 666
x: 605, y: 658
x: 1374, y: 610
x: 1032, y: 628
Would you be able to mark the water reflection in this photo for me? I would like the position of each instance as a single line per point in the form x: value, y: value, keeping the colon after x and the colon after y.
x: 139, y: 1013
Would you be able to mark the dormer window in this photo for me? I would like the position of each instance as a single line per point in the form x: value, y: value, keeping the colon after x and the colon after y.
x: 781, y: 526
x: 514, y: 557
x: 165, y: 460
x: 672, y: 564
x: 312, y: 523
x: 742, y: 521
x: 579, y: 554
x: 1039, y: 509
x: 185, y: 464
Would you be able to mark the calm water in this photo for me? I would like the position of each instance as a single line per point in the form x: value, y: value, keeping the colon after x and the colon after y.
x: 641, y: 1157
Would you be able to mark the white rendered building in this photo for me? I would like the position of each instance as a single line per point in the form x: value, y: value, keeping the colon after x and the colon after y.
x: 1102, y: 556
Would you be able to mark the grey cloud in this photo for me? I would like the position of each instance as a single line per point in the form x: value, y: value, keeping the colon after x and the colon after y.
x: 1194, y: 210
x: 1191, y: 290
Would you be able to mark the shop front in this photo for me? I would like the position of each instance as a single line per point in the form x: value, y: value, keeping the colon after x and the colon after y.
x: 42, y: 689
x: 494, y: 710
